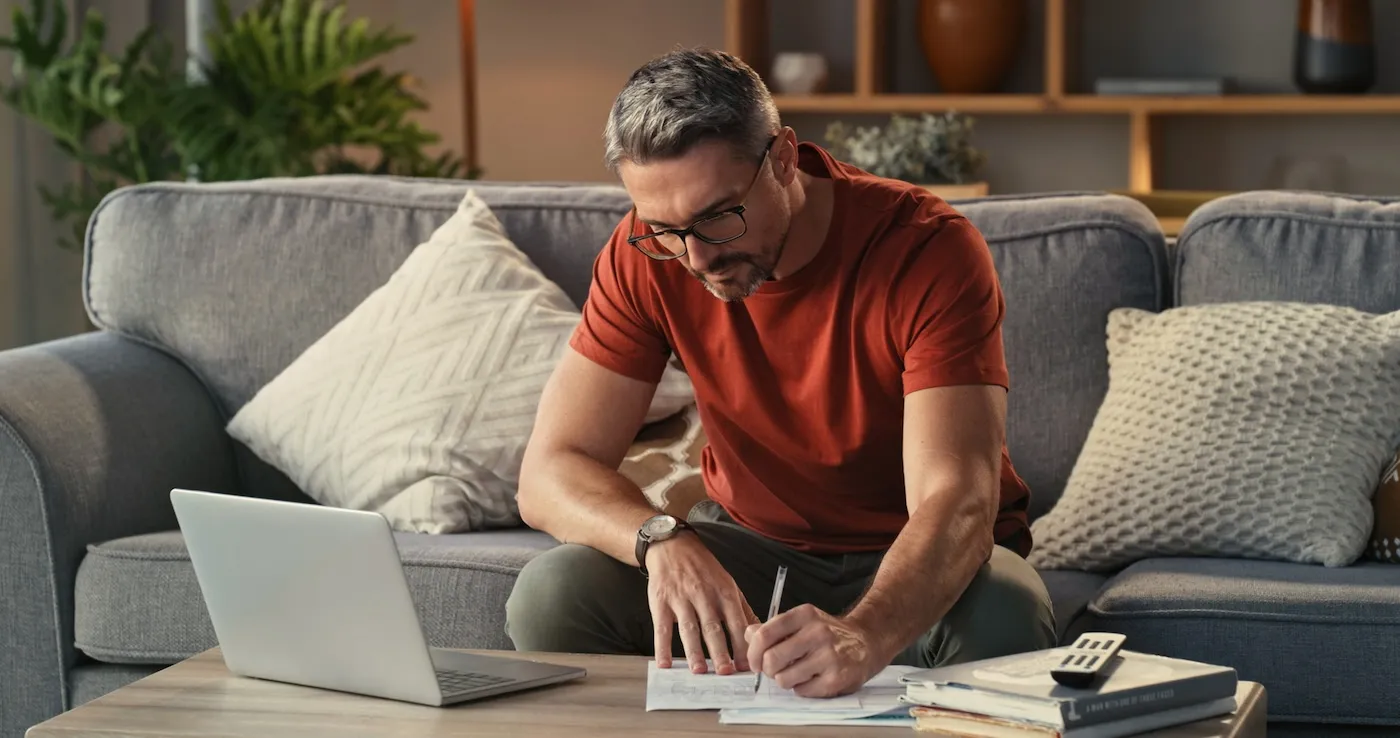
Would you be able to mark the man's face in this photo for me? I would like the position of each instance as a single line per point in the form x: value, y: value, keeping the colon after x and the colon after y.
x: 676, y: 193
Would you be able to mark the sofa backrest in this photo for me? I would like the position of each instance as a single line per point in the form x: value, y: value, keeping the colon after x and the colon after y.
x: 238, y: 279
x: 1293, y: 246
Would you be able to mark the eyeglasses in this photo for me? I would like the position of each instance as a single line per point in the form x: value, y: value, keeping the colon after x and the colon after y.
x: 716, y: 228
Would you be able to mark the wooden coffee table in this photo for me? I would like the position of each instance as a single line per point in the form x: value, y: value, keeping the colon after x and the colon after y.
x: 199, y: 697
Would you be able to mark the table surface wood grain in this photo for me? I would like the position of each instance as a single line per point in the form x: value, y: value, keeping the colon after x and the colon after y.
x: 200, y: 697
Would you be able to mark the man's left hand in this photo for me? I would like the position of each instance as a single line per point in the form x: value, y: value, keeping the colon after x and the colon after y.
x: 813, y: 653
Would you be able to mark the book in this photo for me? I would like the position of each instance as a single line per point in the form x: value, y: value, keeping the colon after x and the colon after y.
x: 967, y: 725
x: 1019, y: 687
x: 1162, y: 86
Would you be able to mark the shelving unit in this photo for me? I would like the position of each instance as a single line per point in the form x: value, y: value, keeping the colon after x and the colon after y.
x: 747, y: 31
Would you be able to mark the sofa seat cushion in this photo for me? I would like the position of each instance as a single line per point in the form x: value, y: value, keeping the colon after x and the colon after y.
x: 1271, y: 621
x: 137, y: 600
x: 1070, y: 592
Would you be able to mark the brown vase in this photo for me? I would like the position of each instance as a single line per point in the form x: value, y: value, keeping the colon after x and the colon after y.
x: 1335, y: 50
x: 971, y: 45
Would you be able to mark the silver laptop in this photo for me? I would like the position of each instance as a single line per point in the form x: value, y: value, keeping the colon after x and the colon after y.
x: 315, y: 595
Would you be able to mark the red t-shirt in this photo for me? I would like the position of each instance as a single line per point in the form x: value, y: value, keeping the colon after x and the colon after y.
x: 800, y: 387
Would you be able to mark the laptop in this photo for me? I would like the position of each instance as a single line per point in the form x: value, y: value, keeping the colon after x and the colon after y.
x: 315, y: 595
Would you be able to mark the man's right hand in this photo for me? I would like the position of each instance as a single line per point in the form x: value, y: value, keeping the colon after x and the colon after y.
x: 690, y: 591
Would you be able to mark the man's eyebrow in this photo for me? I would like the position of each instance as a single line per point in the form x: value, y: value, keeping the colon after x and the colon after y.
x: 707, y: 210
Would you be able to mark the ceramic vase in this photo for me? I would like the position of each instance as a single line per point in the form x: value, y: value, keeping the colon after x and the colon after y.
x: 1334, y: 49
x: 799, y: 73
x: 971, y: 45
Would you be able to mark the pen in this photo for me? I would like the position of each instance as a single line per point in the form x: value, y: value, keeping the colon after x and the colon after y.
x: 772, y: 611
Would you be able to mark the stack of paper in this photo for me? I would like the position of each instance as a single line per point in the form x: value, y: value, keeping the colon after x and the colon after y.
x: 677, y: 688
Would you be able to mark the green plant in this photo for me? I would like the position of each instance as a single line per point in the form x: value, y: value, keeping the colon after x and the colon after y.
x: 288, y: 90
x: 930, y: 149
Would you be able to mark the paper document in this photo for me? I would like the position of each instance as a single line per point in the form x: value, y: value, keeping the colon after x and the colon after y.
x: 677, y: 688
x: 879, y: 705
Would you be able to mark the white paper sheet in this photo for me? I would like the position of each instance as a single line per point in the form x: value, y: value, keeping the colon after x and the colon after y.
x: 677, y: 688
x: 879, y: 705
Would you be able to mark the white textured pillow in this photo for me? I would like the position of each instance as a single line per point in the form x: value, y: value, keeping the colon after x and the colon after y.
x: 1250, y: 430
x: 419, y: 403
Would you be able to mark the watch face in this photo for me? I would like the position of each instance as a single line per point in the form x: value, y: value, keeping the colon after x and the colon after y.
x: 659, y: 526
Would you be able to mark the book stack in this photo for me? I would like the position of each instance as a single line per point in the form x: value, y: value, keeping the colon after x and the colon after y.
x: 1015, y: 697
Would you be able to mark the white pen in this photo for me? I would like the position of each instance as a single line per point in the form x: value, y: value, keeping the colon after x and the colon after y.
x: 772, y: 611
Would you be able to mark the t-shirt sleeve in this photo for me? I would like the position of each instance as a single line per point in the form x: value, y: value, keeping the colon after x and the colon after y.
x: 619, y: 329
x: 953, y: 308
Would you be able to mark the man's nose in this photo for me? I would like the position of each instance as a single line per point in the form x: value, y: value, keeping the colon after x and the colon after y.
x: 700, y: 254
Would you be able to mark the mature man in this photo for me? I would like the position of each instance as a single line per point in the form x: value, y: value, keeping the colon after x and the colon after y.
x: 843, y: 334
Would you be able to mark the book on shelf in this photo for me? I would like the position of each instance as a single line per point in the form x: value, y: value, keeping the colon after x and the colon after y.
x: 1163, y: 86
x: 1019, y: 688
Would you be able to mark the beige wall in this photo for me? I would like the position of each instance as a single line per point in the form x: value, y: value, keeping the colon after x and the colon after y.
x: 547, y: 72
x: 9, y: 250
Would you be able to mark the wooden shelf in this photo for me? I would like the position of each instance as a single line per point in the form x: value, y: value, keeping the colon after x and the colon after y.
x: 747, y: 26
x: 889, y: 103
x: 1092, y: 104
x: 1233, y: 104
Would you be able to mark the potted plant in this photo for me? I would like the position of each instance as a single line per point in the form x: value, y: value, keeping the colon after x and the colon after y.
x: 288, y: 90
x: 932, y: 151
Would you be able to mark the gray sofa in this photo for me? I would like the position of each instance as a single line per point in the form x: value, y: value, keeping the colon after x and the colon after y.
x: 201, y: 294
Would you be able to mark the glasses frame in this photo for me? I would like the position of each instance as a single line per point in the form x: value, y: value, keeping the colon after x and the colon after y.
x: 688, y: 231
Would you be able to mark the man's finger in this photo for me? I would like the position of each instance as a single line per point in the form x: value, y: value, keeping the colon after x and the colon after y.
x: 768, y: 634
x: 689, y: 627
x: 737, y: 623
x: 712, y: 630
x: 789, y: 651
x: 662, y: 621
x: 800, y: 675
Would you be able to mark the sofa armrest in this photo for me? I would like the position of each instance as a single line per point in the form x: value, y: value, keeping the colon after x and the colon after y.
x: 95, y: 430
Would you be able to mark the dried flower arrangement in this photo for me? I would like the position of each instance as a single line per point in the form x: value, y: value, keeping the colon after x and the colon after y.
x: 927, y: 150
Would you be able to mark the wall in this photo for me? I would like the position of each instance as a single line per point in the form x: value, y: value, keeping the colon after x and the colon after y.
x: 10, y: 300
x: 545, y: 86
x: 42, y: 295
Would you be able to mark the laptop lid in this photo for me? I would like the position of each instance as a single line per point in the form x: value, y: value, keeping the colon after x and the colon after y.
x: 307, y: 594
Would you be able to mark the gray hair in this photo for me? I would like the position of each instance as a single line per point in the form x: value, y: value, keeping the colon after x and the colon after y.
x: 684, y: 97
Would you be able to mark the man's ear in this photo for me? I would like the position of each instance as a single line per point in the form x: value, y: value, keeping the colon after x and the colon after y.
x: 785, y: 156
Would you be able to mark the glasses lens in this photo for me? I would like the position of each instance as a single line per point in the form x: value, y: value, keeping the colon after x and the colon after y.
x: 721, y: 228
x: 664, y: 246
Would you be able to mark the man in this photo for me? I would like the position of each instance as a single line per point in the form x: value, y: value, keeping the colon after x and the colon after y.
x: 843, y: 334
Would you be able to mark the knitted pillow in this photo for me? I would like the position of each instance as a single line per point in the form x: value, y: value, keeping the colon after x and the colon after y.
x: 1253, y: 430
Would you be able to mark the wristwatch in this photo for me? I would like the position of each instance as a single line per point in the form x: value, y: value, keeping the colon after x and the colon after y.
x: 657, y: 528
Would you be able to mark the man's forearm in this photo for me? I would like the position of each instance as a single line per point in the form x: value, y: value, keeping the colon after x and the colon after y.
x: 924, y: 573
x: 575, y: 499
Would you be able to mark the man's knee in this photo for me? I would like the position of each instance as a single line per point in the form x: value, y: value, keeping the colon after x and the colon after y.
x: 1006, y: 609
x: 567, y: 599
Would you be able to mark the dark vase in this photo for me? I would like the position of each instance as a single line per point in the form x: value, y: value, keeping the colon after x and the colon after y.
x: 1335, y: 51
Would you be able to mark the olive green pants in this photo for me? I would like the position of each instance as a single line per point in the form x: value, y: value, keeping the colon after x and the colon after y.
x: 575, y: 599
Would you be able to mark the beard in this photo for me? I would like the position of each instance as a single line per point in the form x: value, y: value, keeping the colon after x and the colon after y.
x: 750, y: 271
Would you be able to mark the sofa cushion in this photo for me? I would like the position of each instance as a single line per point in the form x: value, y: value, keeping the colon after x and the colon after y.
x: 137, y: 600
x: 1064, y: 262
x: 1070, y: 593
x: 1292, y: 246
x: 1271, y: 621
x: 238, y: 279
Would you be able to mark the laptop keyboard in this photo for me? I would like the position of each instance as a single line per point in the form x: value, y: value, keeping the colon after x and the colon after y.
x: 454, y: 682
